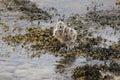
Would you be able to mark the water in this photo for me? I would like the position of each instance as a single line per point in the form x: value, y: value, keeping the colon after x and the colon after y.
x: 15, y: 64
x: 68, y: 7
x: 19, y: 68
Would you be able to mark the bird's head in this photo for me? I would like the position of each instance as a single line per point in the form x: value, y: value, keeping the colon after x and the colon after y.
x: 60, y: 25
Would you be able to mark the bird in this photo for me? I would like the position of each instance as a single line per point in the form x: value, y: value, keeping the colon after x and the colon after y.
x: 66, y: 35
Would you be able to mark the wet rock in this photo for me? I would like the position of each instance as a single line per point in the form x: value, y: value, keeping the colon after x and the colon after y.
x: 105, y: 17
x: 108, y: 77
x: 31, y: 11
x: 86, y: 73
x: 114, y: 68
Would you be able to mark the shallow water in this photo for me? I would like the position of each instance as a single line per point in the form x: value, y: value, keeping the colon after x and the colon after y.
x: 15, y: 64
x: 78, y: 6
x: 18, y: 68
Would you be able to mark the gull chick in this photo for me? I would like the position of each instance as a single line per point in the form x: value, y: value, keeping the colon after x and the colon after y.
x: 65, y: 35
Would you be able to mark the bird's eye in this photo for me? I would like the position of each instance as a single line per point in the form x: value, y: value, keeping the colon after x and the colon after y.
x: 60, y: 26
x: 71, y: 31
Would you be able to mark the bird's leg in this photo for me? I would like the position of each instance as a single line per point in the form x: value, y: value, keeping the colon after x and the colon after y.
x: 87, y: 55
x: 105, y: 62
x: 68, y: 48
x: 31, y: 22
x: 38, y: 22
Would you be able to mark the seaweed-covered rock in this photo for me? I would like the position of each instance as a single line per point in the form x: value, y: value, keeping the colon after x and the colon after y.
x: 114, y: 68
x: 30, y: 9
x: 86, y: 73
